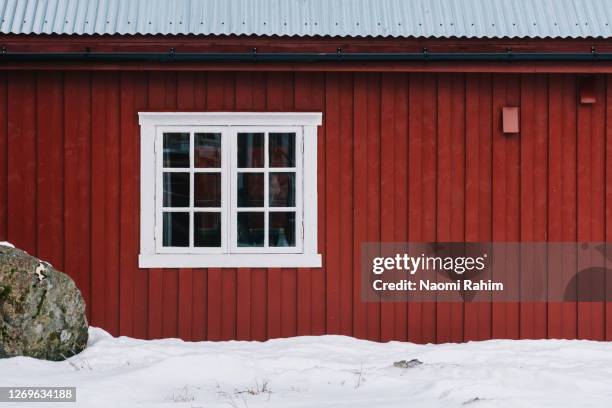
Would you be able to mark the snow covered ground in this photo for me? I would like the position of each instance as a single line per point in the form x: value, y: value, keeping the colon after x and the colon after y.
x: 329, y: 371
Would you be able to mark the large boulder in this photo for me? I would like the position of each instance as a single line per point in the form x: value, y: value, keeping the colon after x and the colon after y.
x: 42, y: 313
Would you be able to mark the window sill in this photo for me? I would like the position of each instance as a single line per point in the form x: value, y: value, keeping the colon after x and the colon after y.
x: 230, y: 261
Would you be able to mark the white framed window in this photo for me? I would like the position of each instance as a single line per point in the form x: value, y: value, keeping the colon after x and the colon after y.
x: 228, y: 189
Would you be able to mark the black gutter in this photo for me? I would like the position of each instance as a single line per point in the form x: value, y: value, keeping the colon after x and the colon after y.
x: 297, y: 57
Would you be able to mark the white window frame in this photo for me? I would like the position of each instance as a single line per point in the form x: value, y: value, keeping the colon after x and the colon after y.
x: 304, y: 124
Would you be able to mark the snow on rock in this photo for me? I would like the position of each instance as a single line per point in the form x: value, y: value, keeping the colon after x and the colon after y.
x: 7, y: 244
x: 327, y: 371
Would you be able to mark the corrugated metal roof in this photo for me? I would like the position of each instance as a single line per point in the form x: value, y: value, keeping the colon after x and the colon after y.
x: 344, y: 18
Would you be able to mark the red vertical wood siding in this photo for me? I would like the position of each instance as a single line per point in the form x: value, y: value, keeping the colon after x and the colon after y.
x: 401, y: 156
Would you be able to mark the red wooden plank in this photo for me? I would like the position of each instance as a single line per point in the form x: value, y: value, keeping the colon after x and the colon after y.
x: 387, y: 189
x: 229, y: 304
x: 185, y: 300
x: 303, y: 306
x: 259, y: 297
x: 199, y: 91
x: 590, y: 210
x: 112, y: 204
x: 289, y: 302
x: 214, y: 286
x: 169, y: 302
x: 569, y: 193
x: 346, y: 181
x: 155, y: 295
x: 422, y: 150
x: 77, y: 166
x: 457, y: 204
x: 477, y: 324
x: 373, y: 187
x: 199, y: 305
x: 586, y: 179
x: 49, y: 204
x: 332, y: 202
x: 534, y: 157
x: 186, y: 91
x: 400, y: 187
x: 360, y: 193
x: 446, y: 167
x: 555, y: 164
x: 274, y: 303
x: 427, y: 222
x: 562, y: 196
x: 500, y: 192
x: 134, y: 283
x: 415, y: 202
x: 243, y: 304
x: 220, y: 92
x: 528, y: 193
x: 280, y: 91
x: 506, y: 191
x: 3, y: 156
x: 21, y: 170
x: 99, y: 131
x: 540, y: 201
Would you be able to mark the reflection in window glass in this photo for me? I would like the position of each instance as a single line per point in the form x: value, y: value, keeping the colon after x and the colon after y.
x: 282, y: 190
x: 176, y: 150
x: 207, y: 189
x: 250, y: 150
x: 176, y: 189
x: 207, y: 150
x: 250, y: 229
x: 250, y: 189
x: 176, y: 229
x: 281, y: 229
x: 282, y: 149
x: 207, y: 229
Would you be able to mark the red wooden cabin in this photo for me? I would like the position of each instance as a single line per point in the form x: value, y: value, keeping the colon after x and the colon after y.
x: 365, y: 121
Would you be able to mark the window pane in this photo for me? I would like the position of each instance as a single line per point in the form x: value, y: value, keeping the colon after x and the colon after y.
x: 207, y: 229
x: 176, y: 149
x: 250, y: 229
x: 282, y: 190
x: 176, y: 229
x: 207, y: 150
x: 282, y: 229
x: 207, y: 188
x: 250, y: 189
x: 250, y: 150
x: 176, y: 189
x: 282, y: 149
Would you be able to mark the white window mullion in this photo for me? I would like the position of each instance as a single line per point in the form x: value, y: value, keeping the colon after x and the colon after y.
x: 191, y: 188
x: 159, y: 192
x: 227, y: 184
x: 266, y: 176
x: 233, y: 207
